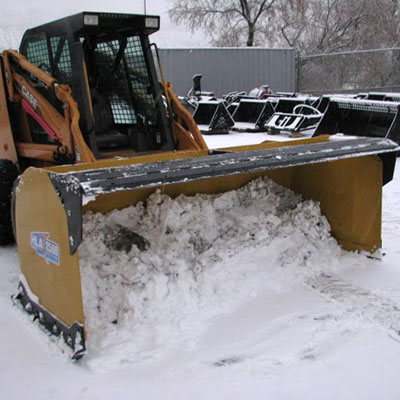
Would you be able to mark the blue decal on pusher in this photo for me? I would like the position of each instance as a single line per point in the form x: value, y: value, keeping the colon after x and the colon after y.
x: 44, y: 247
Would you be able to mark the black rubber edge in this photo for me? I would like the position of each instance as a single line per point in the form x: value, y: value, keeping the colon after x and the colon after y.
x: 389, y: 162
x: 135, y: 176
x: 70, y: 193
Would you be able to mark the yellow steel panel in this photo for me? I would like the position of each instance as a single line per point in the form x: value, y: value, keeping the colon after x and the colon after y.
x: 39, y: 209
x: 349, y: 192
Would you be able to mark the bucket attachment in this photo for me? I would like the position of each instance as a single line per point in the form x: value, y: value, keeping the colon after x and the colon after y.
x: 212, y: 117
x: 286, y: 105
x: 295, y: 115
x: 303, y: 118
x: 380, y: 96
x: 361, y: 118
x: 340, y: 174
x: 250, y: 115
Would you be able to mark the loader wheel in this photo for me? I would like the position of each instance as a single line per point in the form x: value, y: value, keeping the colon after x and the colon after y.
x: 8, y: 174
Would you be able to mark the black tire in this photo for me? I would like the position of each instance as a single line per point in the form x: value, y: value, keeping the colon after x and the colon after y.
x: 8, y: 175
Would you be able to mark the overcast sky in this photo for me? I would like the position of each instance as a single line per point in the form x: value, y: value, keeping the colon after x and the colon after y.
x: 18, y: 15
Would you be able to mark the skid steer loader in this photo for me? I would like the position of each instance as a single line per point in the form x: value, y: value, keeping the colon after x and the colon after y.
x: 86, y: 122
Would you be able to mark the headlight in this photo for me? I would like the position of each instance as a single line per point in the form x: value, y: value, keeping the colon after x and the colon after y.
x: 151, y: 22
x: 90, y: 19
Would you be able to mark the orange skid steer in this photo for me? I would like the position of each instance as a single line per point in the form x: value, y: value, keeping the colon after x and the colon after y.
x: 86, y: 123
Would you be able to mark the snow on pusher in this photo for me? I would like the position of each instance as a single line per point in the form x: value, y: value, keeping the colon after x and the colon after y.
x: 83, y: 117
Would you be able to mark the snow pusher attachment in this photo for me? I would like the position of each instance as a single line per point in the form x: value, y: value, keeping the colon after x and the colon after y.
x: 212, y: 117
x: 344, y: 175
x: 370, y: 118
x: 380, y: 96
x: 250, y: 115
x: 295, y: 115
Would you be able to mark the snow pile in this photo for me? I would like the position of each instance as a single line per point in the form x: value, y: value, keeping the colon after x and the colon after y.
x: 195, y: 258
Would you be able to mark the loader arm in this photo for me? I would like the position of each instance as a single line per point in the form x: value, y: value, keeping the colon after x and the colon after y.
x: 186, y: 139
x: 62, y: 128
x: 25, y: 83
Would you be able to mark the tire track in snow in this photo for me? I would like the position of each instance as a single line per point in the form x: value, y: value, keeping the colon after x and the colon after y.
x: 377, y: 309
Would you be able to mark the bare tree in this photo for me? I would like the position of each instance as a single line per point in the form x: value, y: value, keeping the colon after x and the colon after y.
x: 226, y: 22
x: 317, y: 25
x: 340, y: 26
x: 309, y: 25
x: 324, y: 26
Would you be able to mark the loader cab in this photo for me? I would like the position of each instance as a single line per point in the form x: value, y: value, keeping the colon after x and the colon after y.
x: 107, y: 61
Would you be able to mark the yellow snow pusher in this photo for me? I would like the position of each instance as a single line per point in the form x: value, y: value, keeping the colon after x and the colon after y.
x: 83, y: 116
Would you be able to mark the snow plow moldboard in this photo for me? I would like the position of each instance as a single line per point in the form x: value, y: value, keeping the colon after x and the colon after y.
x: 345, y: 175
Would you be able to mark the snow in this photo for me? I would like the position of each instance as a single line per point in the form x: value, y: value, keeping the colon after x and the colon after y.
x: 168, y: 295
x: 245, y: 138
x: 244, y: 126
x: 241, y: 299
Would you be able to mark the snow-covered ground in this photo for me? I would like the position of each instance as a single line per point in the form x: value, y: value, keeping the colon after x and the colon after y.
x: 237, y: 298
